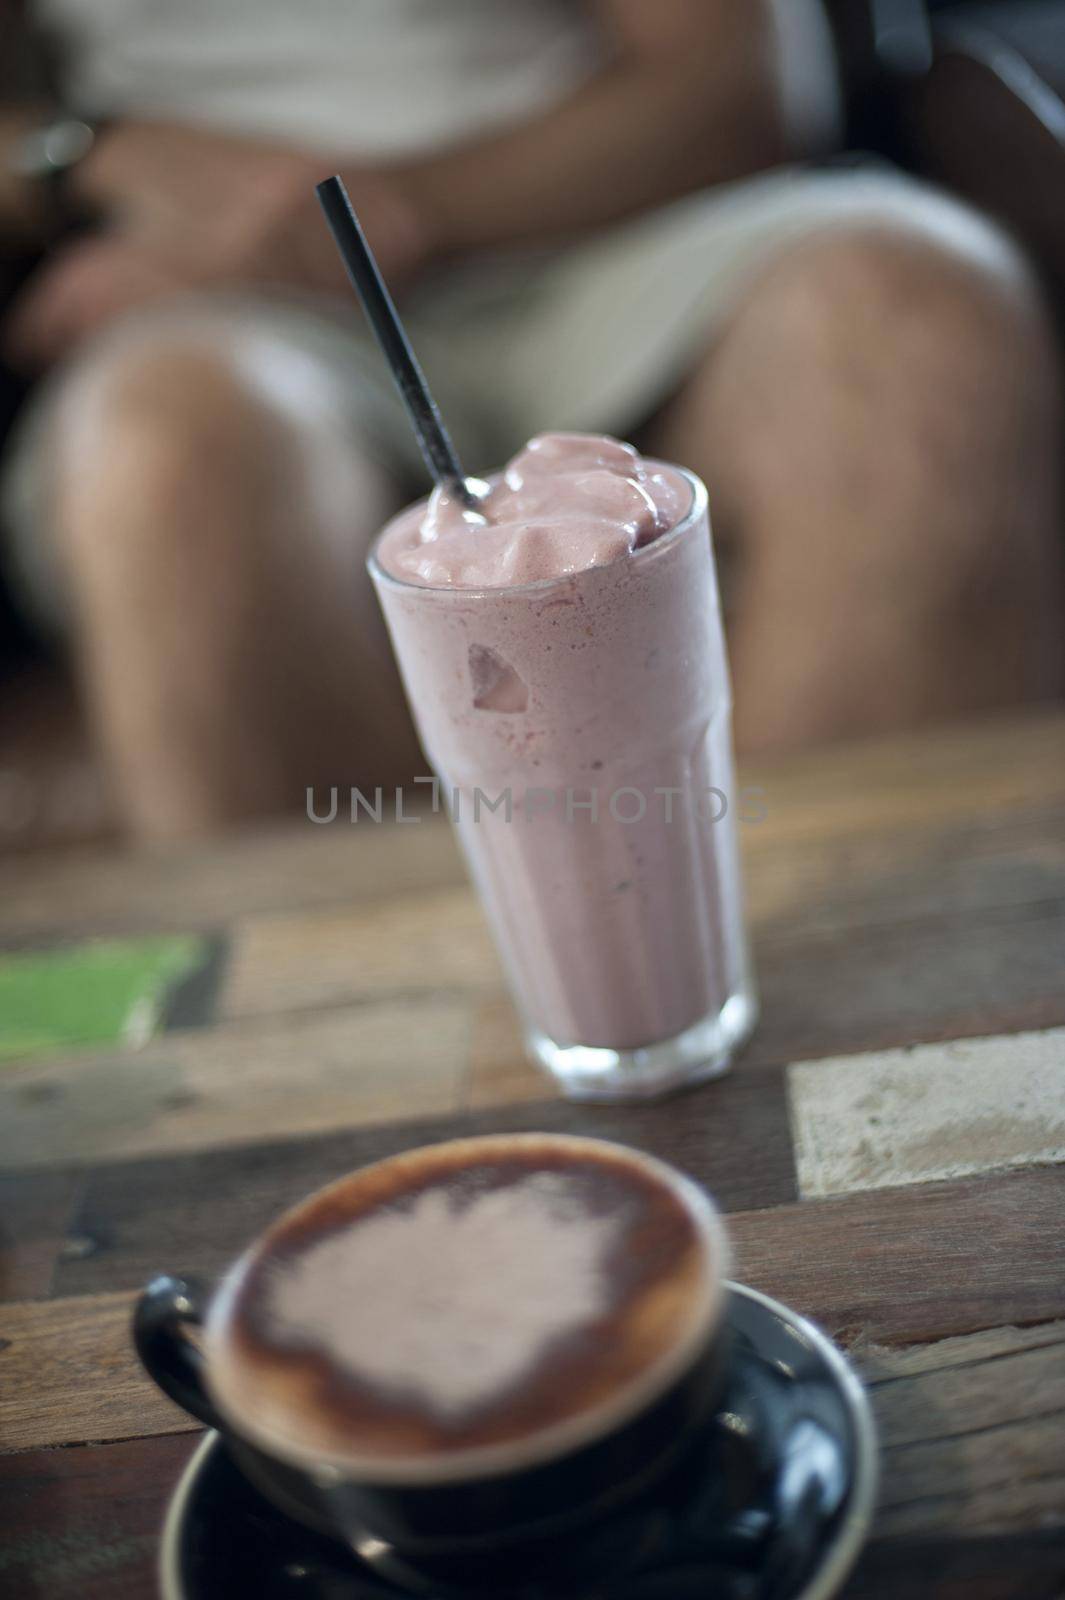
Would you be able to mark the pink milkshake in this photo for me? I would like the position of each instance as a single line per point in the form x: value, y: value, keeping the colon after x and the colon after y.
x: 563, y: 655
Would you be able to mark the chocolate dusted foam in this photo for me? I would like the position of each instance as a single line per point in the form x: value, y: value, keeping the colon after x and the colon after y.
x: 470, y: 1308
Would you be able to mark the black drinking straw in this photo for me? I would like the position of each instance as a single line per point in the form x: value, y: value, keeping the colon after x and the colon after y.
x: 369, y: 285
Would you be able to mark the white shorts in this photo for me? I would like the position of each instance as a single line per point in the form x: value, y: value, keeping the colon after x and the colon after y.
x: 592, y: 337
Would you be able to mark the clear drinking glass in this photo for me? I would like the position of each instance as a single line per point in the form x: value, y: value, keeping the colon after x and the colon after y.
x: 580, y: 728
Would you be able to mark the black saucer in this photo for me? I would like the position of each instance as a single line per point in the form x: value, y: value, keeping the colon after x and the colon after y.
x: 772, y: 1501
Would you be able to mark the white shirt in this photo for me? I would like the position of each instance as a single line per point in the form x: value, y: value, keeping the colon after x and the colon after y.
x: 372, y: 78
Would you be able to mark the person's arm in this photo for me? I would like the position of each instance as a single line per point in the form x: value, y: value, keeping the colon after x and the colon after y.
x: 693, y: 92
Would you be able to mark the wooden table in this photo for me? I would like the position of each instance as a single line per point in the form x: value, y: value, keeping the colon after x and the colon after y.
x: 886, y: 1148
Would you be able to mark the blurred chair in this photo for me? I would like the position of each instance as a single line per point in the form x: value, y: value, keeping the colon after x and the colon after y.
x: 971, y: 96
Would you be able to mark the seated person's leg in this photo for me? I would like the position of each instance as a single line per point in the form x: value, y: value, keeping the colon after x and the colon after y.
x: 213, y: 515
x: 879, y: 425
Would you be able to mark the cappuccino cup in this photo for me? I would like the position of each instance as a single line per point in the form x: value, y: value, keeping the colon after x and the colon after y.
x: 463, y: 1354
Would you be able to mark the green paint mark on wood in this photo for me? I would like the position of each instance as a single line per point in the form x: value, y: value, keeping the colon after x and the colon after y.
x: 99, y: 992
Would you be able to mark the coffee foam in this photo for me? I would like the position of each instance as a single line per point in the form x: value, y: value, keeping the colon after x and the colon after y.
x: 470, y: 1306
x: 466, y: 1298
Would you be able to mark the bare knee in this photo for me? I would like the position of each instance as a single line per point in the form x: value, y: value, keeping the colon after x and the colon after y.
x: 147, y: 423
x: 189, y: 411
x: 935, y: 293
x: 909, y: 301
x: 906, y: 379
x: 878, y: 321
x: 153, y: 374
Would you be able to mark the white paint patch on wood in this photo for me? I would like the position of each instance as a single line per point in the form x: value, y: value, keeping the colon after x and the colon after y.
x: 893, y: 1117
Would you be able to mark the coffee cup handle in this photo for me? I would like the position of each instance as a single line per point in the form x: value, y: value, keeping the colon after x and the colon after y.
x: 166, y: 1313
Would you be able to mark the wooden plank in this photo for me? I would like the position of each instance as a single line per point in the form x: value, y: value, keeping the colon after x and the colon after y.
x: 938, y: 779
x: 978, y: 1429
x: 400, y: 945
x: 914, y: 894
x: 933, y: 939
x: 303, y: 1073
x: 1016, y: 866
x: 500, y: 1073
x: 34, y: 1213
x: 917, y: 1263
x: 1008, y: 1478
x: 203, y: 885
x: 797, y: 1010
x: 883, y: 988
x: 975, y: 1451
x: 971, y: 1442
x: 1025, y: 1384
x: 193, y: 1212
x: 84, y: 1524
x: 877, y: 1120
x: 68, y: 1375
x: 883, y: 1365
x: 828, y: 884
x: 1028, y: 1566
x: 411, y: 1051
x: 929, y: 779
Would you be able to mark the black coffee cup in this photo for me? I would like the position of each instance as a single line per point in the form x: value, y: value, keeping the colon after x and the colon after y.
x: 602, y: 1410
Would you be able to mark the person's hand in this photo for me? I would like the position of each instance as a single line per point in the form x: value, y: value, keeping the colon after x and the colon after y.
x: 186, y: 210
x: 247, y: 207
x: 80, y: 290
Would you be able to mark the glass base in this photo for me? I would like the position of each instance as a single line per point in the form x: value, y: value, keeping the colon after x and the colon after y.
x: 705, y: 1050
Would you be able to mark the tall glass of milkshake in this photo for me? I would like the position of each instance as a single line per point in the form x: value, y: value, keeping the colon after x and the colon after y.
x: 563, y: 654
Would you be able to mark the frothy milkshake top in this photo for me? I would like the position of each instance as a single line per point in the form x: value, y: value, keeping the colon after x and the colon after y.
x: 567, y: 502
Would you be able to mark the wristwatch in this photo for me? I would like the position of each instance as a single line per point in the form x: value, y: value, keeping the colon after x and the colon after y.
x: 47, y: 155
